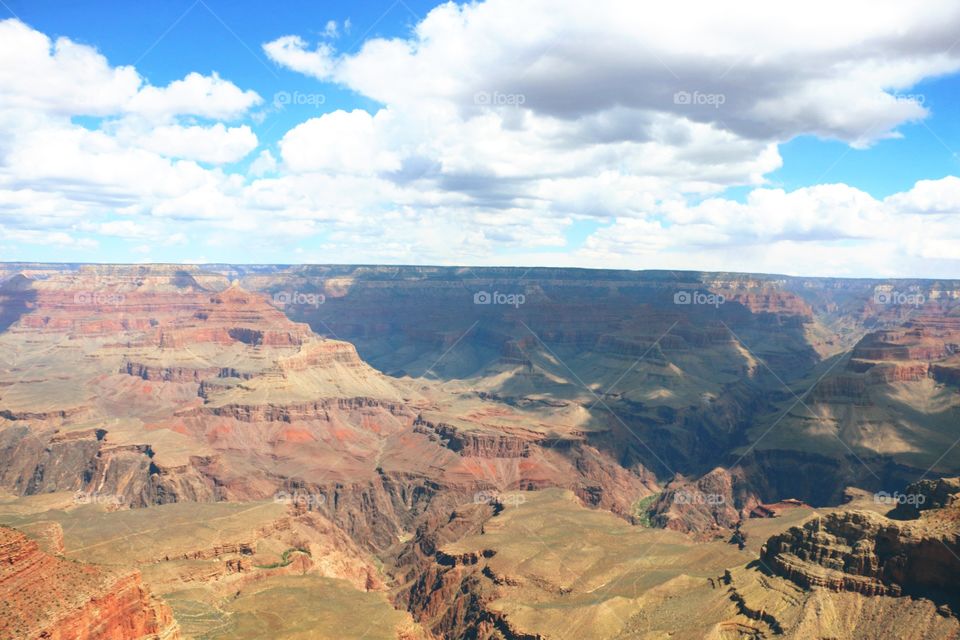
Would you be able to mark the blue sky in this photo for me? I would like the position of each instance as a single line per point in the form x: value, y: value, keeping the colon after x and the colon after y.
x: 496, y: 133
x: 166, y: 39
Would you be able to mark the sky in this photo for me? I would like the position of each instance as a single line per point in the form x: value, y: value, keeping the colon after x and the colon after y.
x: 813, y: 138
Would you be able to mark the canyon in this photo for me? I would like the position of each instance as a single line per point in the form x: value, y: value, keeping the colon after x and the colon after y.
x: 373, y: 451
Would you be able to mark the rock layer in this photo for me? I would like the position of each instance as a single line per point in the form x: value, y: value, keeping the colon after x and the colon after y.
x: 46, y: 597
x: 866, y: 553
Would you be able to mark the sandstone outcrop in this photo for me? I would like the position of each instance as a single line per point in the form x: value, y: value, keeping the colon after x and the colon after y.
x: 232, y: 316
x: 46, y: 597
x: 473, y: 443
x: 866, y: 553
x: 924, y: 495
x: 707, y: 507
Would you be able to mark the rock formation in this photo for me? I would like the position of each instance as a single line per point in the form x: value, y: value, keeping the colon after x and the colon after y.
x: 866, y: 553
x: 394, y: 414
x: 46, y: 597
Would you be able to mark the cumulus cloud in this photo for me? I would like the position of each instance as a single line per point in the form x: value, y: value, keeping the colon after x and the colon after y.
x: 63, y: 77
x: 545, y: 105
x: 264, y: 163
x: 350, y: 142
x: 216, y: 144
x: 831, y: 229
x: 930, y: 196
x: 292, y: 52
x: 500, y: 127
x: 205, y: 96
x: 830, y: 70
x: 61, y: 180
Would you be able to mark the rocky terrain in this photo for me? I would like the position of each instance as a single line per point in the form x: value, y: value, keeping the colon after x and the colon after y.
x: 48, y: 597
x: 409, y: 434
x: 862, y: 552
x: 868, y: 553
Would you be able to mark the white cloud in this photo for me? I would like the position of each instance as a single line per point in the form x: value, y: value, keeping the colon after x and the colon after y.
x: 263, y: 164
x: 292, y: 52
x: 351, y: 142
x: 502, y: 126
x: 67, y: 78
x: 58, y: 178
x: 829, y: 69
x: 123, y: 229
x: 216, y: 144
x: 205, y: 96
x: 826, y: 230
x: 502, y: 104
x: 930, y: 196
x: 62, y: 76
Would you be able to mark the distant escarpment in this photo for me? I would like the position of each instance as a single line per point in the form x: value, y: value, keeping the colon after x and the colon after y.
x: 46, y: 597
x: 316, y: 410
x: 235, y: 315
x: 923, y: 346
x: 475, y: 443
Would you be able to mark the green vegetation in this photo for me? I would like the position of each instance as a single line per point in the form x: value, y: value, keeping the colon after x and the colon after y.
x: 641, y: 509
x: 285, y: 559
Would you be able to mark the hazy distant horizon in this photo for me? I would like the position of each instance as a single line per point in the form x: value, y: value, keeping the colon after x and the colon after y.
x: 526, y: 269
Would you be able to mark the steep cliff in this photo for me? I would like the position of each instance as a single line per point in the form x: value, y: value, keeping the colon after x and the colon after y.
x: 46, y: 597
x: 866, y: 553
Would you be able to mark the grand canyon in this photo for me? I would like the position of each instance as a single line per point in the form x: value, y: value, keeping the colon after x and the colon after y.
x: 257, y: 451
x: 479, y: 320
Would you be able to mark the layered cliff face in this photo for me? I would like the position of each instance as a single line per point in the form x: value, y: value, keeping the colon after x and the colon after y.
x: 235, y: 315
x: 696, y: 363
x: 544, y: 568
x: 642, y: 361
x: 46, y: 597
x: 888, y: 408
x: 222, y: 397
x: 769, y: 606
x: 927, y: 345
x: 867, y: 553
x: 684, y: 401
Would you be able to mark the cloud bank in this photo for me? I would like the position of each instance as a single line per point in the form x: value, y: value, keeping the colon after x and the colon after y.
x: 551, y: 133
